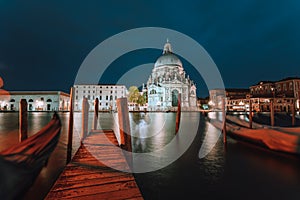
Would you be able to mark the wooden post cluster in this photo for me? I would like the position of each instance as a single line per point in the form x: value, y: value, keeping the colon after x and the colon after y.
x: 70, y: 130
x: 224, y: 120
x: 96, y: 111
x: 85, y: 118
x: 23, y: 120
x: 178, y: 113
x: 124, y: 125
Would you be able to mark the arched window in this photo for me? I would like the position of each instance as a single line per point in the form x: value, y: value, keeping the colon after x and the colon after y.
x: 12, y: 100
x: 49, y: 100
x: 153, y: 91
x: 175, y: 97
x: 30, y: 100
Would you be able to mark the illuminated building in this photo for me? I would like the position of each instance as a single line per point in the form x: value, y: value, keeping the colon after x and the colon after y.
x: 284, y: 93
x: 36, y: 100
x: 166, y: 81
x: 106, y: 94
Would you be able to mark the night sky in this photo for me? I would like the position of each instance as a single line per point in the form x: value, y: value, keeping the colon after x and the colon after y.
x: 43, y: 43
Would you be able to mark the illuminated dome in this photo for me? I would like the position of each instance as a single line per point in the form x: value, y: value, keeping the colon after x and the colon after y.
x: 168, y: 58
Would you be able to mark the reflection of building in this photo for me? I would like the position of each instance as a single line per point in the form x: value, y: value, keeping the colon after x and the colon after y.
x: 36, y: 100
x: 167, y: 80
x: 107, y: 95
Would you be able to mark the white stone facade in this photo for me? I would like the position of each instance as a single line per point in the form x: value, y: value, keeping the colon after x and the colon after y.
x: 36, y: 100
x: 107, y: 95
x: 166, y: 81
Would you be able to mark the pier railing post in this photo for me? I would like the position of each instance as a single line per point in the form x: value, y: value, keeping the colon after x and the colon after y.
x: 85, y: 118
x: 224, y: 120
x: 178, y: 113
x: 23, y: 120
x: 70, y: 130
x: 96, y: 111
x: 124, y: 125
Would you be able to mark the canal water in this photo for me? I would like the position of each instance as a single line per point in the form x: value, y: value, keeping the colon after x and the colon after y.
x: 237, y: 170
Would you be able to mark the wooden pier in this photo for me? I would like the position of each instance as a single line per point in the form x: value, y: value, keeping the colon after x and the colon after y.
x: 85, y: 177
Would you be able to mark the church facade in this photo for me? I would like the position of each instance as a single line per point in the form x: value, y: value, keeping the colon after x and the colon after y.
x: 166, y: 81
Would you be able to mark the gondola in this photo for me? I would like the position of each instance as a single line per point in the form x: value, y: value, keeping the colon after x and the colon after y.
x: 22, y: 163
x: 280, y: 139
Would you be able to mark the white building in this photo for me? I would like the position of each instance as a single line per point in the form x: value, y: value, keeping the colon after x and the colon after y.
x: 167, y: 80
x: 107, y: 95
x: 36, y: 100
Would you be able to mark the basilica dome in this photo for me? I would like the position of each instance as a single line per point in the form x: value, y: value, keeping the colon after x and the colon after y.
x: 168, y: 58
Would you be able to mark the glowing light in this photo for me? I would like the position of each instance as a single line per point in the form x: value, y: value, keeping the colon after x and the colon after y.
x: 3, y: 103
x: 39, y: 103
x: 211, y: 103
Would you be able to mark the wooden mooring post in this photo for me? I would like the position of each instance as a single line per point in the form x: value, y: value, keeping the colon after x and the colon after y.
x: 96, y: 111
x: 178, y: 113
x: 70, y: 128
x: 250, y: 114
x: 23, y: 120
x: 85, y: 118
x: 124, y: 125
x: 293, y: 112
x: 224, y: 120
x: 272, y: 113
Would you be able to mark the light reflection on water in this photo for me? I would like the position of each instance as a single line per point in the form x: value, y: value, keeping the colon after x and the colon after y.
x: 234, y: 169
x: 151, y: 131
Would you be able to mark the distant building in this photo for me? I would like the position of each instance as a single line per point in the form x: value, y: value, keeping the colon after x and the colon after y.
x: 284, y: 93
x: 166, y: 81
x: 107, y: 95
x: 36, y: 100
x: 215, y: 98
x: 202, y: 102
x: 235, y: 98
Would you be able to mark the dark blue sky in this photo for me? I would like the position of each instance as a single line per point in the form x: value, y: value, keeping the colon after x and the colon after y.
x: 43, y: 43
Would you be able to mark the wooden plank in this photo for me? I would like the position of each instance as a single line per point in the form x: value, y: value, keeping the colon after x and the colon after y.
x: 100, y: 191
x: 86, y: 177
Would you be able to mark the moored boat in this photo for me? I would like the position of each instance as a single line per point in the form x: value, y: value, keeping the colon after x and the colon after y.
x: 275, y: 138
x: 22, y: 163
